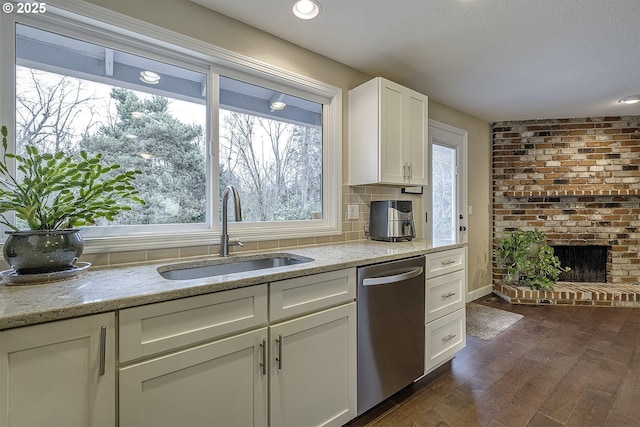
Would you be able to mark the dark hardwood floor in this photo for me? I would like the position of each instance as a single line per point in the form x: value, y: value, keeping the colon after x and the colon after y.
x: 557, y: 366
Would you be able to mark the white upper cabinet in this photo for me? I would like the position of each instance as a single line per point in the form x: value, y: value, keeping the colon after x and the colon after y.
x: 387, y: 134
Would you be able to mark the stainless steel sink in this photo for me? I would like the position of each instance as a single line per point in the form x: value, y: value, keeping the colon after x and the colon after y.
x: 228, y: 265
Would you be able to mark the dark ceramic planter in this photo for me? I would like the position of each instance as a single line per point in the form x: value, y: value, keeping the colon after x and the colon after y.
x: 37, y: 252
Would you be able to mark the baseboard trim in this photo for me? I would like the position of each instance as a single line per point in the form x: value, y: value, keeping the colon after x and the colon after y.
x: 479, y: 293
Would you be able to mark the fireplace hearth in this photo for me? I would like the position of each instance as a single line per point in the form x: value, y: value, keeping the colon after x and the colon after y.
x: 572, y: 293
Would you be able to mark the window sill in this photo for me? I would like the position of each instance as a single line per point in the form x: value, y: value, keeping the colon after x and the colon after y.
x: 246, y: 233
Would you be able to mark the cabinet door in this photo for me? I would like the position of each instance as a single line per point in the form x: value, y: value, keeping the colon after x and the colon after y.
x: 222, y: 383
x: 313, y: 369
x: 392, y: 133
x: 59, y: 374
x: 416, y: 144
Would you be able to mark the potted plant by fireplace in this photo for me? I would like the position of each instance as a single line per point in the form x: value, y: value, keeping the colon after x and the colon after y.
x: 51, y: 195
x: 529, y: 260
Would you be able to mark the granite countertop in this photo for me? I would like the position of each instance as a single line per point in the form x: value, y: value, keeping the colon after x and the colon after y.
x: 106, y: 289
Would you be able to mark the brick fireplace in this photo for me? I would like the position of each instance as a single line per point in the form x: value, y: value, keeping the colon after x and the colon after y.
x: 578, y: 180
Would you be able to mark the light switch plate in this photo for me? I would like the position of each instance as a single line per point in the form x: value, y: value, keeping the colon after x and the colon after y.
x: 353, y: 212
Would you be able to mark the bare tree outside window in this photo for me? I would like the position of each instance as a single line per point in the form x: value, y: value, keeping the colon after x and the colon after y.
x: 52, y: 110
x: 277, y: 166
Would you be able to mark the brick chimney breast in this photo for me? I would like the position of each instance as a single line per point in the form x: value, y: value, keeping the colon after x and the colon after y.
x: 578, y: 180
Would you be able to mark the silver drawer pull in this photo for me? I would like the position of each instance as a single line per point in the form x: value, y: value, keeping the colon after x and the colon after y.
x: 103, y: 351
x: 263, y: 350
x: 451, y: 261
x: 449, y: 337
x: 449, y: 295
x: 279, y: 356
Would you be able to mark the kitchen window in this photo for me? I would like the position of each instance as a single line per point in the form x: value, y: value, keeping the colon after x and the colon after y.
x: 190, y: 118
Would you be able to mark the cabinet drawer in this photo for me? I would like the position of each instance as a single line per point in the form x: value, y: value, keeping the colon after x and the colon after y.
x: 164, y: 326
x: 445, y: 337
x: 302, y: 295
x: 445, y: 294
x: 444, y: 262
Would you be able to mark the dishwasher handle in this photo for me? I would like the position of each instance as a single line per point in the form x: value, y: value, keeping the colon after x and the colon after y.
x: 385, y: 280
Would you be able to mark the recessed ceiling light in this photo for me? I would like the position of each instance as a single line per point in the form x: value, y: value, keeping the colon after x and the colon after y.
x: 306, y: 9
x: 630, y: 99
x: 149, y: 77
x: 278, y: 105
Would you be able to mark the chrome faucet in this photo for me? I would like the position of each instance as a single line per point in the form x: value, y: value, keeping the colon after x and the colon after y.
x: 224, y: 239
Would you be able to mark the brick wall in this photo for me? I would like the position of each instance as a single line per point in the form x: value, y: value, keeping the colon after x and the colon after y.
x: 578, y: 180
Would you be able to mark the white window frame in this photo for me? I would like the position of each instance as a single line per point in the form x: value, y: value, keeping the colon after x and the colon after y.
x: 93, y: 22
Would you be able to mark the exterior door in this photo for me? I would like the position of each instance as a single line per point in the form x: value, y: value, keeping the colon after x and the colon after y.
x: 446, y: 200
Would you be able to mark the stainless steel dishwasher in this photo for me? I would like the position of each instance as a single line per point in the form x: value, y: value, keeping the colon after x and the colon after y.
x: 391, y: 331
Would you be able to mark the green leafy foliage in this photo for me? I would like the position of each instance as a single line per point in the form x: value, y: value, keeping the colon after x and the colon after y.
x: 544, y: 270
x: 173, y: 182
x: 538, y: 269
x: 57, y: 191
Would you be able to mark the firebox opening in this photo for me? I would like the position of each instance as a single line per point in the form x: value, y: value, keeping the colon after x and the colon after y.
x: 588, y: 263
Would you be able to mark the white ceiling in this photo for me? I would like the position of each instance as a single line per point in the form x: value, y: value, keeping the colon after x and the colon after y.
x: 495, y: 59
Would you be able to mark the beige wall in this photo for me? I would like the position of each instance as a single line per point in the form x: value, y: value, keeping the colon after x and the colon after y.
x: 479, y: 140
x: 188, y: 18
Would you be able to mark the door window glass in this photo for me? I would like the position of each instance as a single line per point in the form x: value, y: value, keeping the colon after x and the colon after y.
x: 444, y: 194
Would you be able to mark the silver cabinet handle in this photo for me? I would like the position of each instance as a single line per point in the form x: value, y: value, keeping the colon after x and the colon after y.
x: 449, y: 295
x: 392, y: 279
x: 449, y: 262
x: 263, y: 350
x: 279, y: 356
x: 448, y: 338
x: 103, y: 350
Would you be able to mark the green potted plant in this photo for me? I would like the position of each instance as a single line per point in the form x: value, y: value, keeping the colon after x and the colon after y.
x: 529, y: 260
x: 544, y: 270
x: 54, y: 195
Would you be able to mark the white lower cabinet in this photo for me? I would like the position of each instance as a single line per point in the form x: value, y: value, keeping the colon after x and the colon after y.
x: 445, y: 294
x: 444, y: 337
x: 445, y: 327
x: 221, y: 383
x: 313, y: 369
x: 226, y: 359
x: 59, y: 374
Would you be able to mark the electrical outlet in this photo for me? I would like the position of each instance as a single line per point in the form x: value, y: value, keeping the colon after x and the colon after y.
x: 353, y: 212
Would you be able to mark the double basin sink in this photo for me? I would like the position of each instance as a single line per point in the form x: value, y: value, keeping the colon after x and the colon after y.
x: 228, y: 265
